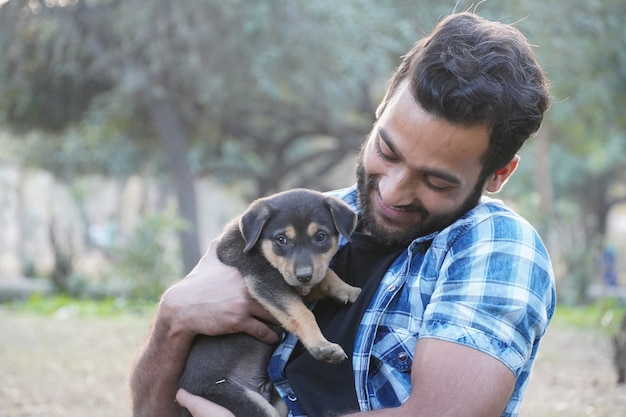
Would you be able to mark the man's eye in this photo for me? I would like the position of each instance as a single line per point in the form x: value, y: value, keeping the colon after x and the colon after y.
x: 437, y: 184
x: 385, y: 154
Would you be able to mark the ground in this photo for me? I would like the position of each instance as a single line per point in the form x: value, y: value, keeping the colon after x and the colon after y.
x: 71, y: 366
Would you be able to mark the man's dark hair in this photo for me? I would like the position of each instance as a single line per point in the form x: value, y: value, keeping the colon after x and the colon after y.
x: 473, y: 71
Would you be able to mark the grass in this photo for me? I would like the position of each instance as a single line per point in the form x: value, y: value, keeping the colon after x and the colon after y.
x: 82, y: 307
x: 603, y: 314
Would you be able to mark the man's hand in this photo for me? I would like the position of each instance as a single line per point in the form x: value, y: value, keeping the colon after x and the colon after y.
x: 199, y: 406
x: 213, y: 300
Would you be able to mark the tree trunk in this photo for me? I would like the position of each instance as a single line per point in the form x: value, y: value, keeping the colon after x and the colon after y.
x: 543, y: 176
x: 172, y: 136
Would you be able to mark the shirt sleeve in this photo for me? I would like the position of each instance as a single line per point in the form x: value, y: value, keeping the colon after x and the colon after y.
x: 494, y: 292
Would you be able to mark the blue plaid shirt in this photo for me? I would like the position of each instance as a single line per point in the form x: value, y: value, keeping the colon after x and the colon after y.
x: 485, y: 282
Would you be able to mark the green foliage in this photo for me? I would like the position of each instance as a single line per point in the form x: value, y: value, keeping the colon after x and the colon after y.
x: 582, y: 45
x: 603, y: 314
x: 284, y: 89
x: 256, y: 76
x: 65, y: 305
x: 42, y: 71
x: 146, y: 264
x: 81, y: 150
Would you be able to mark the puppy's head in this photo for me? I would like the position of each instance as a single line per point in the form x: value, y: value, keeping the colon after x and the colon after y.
x: 297, y: 231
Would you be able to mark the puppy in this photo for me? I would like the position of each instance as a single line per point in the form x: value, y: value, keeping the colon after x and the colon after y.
x: 282, y: 246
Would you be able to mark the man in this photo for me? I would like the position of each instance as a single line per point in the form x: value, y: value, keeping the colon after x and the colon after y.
x: 457, y: 289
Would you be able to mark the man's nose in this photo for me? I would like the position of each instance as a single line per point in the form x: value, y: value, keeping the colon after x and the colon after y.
x: 397, y: 188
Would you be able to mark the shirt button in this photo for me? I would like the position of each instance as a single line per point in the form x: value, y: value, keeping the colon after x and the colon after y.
x: 292, y: 396
x: 403, y: 356
x: 391, y: 288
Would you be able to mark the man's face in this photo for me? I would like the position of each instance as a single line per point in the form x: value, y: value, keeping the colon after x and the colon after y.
x: 417, y: 174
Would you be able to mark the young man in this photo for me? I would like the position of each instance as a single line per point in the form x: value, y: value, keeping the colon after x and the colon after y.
x: 457, y: 289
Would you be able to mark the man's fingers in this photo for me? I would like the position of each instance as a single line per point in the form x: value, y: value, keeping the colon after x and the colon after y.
x: 209, y: 257
x: 257, y: 310
x: 200, y: 407
x: 249, y: 315
x: 261, y: 331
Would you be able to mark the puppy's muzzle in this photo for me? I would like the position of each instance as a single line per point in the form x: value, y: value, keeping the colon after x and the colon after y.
x: 304, y: 274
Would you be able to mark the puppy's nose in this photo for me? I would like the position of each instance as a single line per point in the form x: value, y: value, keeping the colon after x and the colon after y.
x: 304, y: 273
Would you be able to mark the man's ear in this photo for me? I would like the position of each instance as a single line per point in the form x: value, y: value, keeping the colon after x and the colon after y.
x: 501, y: 176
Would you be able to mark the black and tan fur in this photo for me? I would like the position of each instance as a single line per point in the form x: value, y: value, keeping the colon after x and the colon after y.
x: 282, y: 246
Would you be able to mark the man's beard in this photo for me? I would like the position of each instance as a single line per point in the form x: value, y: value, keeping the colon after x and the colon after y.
x: 429, y: 223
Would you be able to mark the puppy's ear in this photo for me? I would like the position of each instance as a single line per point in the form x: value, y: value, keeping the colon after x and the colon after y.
x: 251, y: 223
x: 344, y: 218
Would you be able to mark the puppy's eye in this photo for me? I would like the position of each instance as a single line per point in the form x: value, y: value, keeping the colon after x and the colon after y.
x: 320, y: 237
x: 281, y: 240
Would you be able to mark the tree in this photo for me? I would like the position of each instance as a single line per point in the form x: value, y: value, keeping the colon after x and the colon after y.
x: 583, y: 53
x: 277, y: 92
x: 240, y: 87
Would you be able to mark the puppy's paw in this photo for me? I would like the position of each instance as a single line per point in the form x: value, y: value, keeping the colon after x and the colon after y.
x: 347, y: 294
x: 328, y: 352
x: 353, y: 294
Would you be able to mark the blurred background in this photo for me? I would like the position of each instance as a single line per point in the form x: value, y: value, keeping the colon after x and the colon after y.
x: 131, y: 131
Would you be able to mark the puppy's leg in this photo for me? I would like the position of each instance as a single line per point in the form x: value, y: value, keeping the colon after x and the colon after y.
x: 300, y: 320
x: 289, y: 309
x: 334, y: 287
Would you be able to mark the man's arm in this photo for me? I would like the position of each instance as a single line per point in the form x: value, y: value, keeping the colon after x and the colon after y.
x: 154, y: 378
x: 212, y: 300
x: 448, y: 380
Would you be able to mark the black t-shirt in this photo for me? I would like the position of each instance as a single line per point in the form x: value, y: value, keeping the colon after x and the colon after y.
x: 325, y: 389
